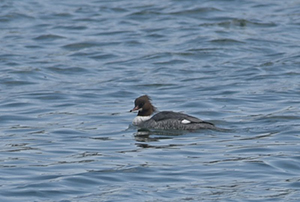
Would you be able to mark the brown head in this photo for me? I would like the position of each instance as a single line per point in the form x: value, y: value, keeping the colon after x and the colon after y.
x: 144, y: 106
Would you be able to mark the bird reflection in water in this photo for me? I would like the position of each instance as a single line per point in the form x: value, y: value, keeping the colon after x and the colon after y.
x: 145, y: 135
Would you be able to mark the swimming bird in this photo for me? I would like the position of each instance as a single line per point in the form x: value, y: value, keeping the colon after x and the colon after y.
x: 165, y: 120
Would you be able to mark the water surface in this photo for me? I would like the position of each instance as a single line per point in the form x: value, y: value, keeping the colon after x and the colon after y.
x: 70, y: 71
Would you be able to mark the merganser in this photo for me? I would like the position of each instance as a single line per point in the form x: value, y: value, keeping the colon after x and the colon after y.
x: 165, y: 120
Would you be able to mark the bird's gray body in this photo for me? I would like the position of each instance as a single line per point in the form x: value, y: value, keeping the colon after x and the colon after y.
x: 174, y: 120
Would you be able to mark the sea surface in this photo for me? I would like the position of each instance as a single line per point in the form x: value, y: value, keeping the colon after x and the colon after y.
x: 70, y: 71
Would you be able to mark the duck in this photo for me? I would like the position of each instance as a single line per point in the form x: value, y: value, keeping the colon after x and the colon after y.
x: 165, y: 120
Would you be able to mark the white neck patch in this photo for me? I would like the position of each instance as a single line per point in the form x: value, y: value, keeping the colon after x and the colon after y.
x: 139, y: 119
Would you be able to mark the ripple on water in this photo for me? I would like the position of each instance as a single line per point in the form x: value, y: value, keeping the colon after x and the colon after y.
x: 49, y: 37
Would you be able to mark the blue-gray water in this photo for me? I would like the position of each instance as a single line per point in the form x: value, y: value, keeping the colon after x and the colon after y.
x: 70, y: 71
